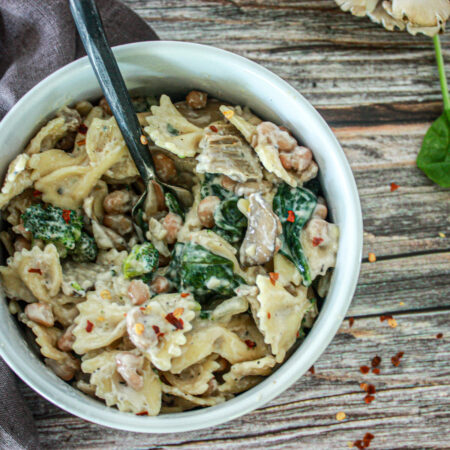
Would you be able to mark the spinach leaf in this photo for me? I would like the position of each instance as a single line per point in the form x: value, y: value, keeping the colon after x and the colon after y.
x: 173, y: 204
x: 434, y: 155
x: 230, y: 223
x: 206, y: 275
x: 294, y: 207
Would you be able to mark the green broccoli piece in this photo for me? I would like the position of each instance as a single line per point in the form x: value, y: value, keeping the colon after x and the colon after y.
x: 52, y: 224
x: 141, y: 262
x: 85, y: 249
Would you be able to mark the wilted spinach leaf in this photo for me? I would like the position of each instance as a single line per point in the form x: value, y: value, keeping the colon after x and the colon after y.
x: 173, y: 204
x: 301, y: 202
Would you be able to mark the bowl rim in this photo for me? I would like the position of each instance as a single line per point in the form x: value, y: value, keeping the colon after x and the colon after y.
x: 289, y: 372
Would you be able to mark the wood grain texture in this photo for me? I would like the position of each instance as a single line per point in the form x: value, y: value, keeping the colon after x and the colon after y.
x: 379, y: 91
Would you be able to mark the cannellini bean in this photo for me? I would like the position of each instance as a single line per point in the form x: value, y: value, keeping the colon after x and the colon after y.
x: 298, y: 159
x: 65, y: 342
x: 117, y: 202
x: 160, y: 284
x: 205, y: 210
x: 138, y: 292
x: 271, y: 133
x: 321, y: 209
x: 228, y: 183
x: 65, y: 369
x: 165, y: 167
x: 197, y: 99
x: 128, y: 366
x: 41, y: 313
x: 172, y: 223
x: 21, y: 243
x: 118, y: 222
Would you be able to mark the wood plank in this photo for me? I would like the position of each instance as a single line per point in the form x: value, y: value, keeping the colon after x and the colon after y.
x: 330, y: 56
x: 419, y: 282
x: 411, y: 406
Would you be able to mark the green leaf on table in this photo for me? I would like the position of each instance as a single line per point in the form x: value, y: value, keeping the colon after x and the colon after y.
x: 434, y: 155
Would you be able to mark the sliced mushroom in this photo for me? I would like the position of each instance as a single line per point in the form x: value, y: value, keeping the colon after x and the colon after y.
x: 259, y: 244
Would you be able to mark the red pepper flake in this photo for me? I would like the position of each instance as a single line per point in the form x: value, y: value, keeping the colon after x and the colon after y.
x: 291, y: 216
x: 371, y: 389
x: 250, y: 344
x: 89, y: 326
x: 37, y: 193
x: 142, y: 413
x: 177, y: 323
x: 396, y: 359
x: 82, y: 129
x: 274, y: 277
x: 369, y: 398
x: 359, y: 444
x: 82, y: 142
x: 364, y: 386
x: 376, y: 371
x: 142, y: 308
x: 376, y: 361
x: 66, y: 215
x: 367, y: 438
x: 298, y: 334
x: 156, y: 329
x: 394, y: 187
x: 185, y: 294
x: 364, y: 369
x: 351, y: 321
x: 35, y: 271
x: 213, y: 128
x: 268, y: 315
x: 312, y: 370
x: 316, y: 241
x: 439, y: 336
x: 383, y: 318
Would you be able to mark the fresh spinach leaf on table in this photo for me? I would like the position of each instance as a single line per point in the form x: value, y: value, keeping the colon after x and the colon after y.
x: 294, y: 207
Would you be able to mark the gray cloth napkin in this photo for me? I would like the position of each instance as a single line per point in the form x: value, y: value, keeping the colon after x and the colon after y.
x: 38, y: 37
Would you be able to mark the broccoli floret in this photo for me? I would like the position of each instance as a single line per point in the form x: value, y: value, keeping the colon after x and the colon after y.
x: 52, y: 224
x: 85, y: 249
x: 141, y: 262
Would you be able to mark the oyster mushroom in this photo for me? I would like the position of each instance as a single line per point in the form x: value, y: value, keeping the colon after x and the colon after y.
x: 263, y: 228
x: 417, y: 16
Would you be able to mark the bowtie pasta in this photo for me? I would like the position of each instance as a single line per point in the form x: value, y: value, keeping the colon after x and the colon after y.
x: 195, y: 304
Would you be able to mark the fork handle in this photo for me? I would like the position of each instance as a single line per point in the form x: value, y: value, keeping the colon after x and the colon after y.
x: 90, y: 28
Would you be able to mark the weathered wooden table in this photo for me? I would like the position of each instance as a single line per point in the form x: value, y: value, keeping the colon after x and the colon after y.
x: 379, y: 91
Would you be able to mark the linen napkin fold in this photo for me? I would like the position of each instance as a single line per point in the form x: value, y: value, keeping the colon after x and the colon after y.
x: 38, y: 37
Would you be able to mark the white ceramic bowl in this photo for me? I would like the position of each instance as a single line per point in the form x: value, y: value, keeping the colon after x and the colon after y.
x: 175, y: 67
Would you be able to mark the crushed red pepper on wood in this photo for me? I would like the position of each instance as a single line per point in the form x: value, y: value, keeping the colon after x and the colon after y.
x: 439, y: 336
x: 376, y: 361
x: 364, y: 369
x: 312, y: 370
x: 177, y: 323
x: 376, y: 371
x: 351, y: 321
x: 383, y: 318
x: 364, y: 442
x: 369, y: 399
x: 39, y: 271
x: 273, y: 277
x: 394, y: 187
x: 396, y: 359
x: 89, y: 326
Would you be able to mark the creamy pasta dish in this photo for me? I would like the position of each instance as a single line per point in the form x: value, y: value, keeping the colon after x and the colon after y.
x: 174, y: 307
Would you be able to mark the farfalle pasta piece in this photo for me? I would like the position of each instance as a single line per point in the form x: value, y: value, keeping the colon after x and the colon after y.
x: 195, y: 400
x: 109, y: 385
x: 228, y: 308
x: 275, y: 309
x: 40, y: 270
x: 93, y: 205
x: 195, y: 380
x: 267, y: 152
x: 170, y: 130
x: 46, y: 338
x: 18, y: 178
x: 191, y: 222
x: 100, y: 322
x: 158, y: 329
x: 224, y: 151
x: 208, y: 338
x: 14, y: 286
x: 79, y: 277
x: 103, y: 134
x: 246, y: 374
x: 286, y: 270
